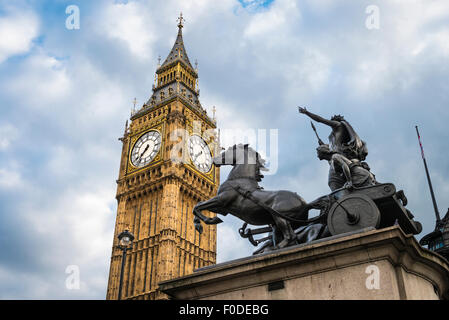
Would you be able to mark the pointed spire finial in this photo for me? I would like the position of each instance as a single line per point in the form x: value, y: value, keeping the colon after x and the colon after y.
x: 159, y: 61
x: 181, y: 21
x: 133, y: 110
x: 213, y: 112
x: 196, y: 65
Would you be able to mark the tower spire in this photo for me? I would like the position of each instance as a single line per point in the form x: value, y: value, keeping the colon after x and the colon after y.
x: 176, y: 77
x: 180, y: 21
x: 178, y: 52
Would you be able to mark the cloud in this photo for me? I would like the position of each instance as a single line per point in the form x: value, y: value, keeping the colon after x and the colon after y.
x: 17, y: 30
x: 8, y: 133
x: 43, y: 78
x: 130, y: 24
x: 73, y: 226
x: 272, y: 21
x: 9, y: 179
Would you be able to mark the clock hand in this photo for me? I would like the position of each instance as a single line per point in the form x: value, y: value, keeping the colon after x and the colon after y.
x: 197, y: 155
x: 144, y: 151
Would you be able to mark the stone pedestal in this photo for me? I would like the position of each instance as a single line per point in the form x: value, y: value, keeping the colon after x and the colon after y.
x: 370, y: 264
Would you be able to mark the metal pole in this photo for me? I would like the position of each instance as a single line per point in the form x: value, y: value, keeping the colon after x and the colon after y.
x: 121, y: 274
x: 435, y: 207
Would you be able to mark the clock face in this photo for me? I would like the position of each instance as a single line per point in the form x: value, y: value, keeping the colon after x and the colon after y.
x: 146, y: 148
x: 200, y: 154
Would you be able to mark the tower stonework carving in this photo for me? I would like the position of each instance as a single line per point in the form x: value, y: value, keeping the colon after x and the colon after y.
x: 155, y: 192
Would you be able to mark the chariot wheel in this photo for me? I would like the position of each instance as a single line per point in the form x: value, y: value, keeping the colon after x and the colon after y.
x: 351, y: 213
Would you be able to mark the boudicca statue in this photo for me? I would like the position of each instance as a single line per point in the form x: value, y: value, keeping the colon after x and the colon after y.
x: 356, y: 201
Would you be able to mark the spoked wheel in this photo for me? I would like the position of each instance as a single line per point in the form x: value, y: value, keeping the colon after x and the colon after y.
x: 351, y: 213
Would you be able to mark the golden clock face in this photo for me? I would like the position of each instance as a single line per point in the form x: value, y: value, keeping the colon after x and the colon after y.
x: 146, y: 148
x: 200, y: 153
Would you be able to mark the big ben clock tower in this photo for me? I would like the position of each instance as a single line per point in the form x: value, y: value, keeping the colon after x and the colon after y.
x: 165, y: 169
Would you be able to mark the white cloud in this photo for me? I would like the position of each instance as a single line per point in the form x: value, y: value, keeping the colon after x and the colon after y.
x: 438, y: 40
x: 387, y: 59
x: 10, y: 179
x: 8, y: 133
x: 264, y: 22
x: 130, y: 23
x: 17, y: 30
x: 309, y: 74
x: 78, y: 225
x: 273, y: 22
x: 41, y: 80
x: 323, y: 6
x: 108, y: 101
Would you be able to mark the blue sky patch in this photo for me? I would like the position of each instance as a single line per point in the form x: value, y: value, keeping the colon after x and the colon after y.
x: 256, y: 4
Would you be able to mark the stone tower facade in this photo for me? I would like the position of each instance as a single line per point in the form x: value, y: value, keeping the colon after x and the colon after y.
x: 165, y: 169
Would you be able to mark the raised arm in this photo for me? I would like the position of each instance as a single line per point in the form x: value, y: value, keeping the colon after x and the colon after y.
x: 317, y: 118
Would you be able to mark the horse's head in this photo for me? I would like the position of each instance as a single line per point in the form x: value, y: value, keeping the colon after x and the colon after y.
x: 241, y: 154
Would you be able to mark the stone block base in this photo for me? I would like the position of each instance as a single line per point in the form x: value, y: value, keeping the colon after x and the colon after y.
x: 370, y: 264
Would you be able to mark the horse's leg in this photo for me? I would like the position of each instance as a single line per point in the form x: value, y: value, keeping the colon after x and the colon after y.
x: 210, y: 204
x: 286, y: 229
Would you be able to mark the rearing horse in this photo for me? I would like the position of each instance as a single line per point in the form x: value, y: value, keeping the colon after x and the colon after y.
x: 241, y: 196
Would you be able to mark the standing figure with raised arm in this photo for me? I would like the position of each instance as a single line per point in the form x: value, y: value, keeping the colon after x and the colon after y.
x: 343, y: 140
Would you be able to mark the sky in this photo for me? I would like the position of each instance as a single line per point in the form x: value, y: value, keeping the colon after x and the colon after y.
x: 66, y: 93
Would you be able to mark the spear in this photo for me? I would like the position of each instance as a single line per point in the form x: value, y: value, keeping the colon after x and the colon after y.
x: 320, y: 142
x: 435, y: 207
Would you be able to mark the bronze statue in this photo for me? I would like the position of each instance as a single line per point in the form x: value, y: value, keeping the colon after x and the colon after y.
x: 343, y: 140
x: 356, y: 173
x: 357, y: 200
x: 241, y: 196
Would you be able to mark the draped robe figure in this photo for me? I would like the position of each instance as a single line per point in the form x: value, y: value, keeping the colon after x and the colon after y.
x: 354, y: 172
x: 342, y: 140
